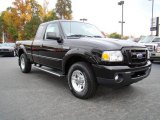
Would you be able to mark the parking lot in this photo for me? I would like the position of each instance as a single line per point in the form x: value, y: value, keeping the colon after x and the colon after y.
x: 41, y: 96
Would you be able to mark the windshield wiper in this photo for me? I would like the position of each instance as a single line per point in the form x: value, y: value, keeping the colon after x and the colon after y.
x: 79, y: 35
x: 97, y: 36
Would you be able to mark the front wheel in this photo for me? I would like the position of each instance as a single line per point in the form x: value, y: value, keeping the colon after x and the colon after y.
x: 81, y: 80
x: 25, y: 64
x: 152, y: 61
x: 13, y: 54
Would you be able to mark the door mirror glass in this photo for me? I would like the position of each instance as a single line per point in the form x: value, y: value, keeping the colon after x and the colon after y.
x: 53, y: 36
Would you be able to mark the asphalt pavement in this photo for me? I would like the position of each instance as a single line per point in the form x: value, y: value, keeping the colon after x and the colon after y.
x: 41, y: 96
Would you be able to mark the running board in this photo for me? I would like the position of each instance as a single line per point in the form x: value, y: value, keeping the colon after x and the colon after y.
x: 51, y: 72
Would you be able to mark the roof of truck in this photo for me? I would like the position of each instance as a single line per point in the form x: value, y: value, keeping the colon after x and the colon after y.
x: 61, y: 21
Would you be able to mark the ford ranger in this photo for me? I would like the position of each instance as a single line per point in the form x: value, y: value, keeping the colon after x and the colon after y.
x: 80, y: 52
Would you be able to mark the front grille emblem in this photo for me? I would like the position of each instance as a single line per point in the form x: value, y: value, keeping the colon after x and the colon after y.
x: 140, y: 56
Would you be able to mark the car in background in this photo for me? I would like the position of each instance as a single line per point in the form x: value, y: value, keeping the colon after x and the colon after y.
x: 131, y: 40
x: 7, y: 49
x: 135, y: 40
x: 152, y: 43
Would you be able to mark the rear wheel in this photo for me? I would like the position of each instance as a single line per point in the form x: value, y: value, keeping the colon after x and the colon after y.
x: 81, y: 80
x: 25, y: 64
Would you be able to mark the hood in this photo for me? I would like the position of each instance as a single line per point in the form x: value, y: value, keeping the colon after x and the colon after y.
x: 104, y: 43
x: 153, y: 44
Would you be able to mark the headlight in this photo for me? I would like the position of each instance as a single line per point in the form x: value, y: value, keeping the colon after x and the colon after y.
x: 112, y: 56
x: 158, y: 49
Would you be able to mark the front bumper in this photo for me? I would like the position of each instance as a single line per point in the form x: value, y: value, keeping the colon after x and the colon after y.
x: 6, y: 53
x: 127, y: 75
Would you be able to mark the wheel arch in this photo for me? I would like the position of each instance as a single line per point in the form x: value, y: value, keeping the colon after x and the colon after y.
x: 21, y: 50
x: 76, y: 55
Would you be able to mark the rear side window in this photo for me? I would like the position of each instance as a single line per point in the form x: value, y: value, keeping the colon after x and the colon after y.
x: 52, y: 28
x: 40, y: 33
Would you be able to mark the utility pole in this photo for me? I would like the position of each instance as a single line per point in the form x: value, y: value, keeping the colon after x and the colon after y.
x: 122, y: 22
x: 157, y: 26
x: 152, y: 16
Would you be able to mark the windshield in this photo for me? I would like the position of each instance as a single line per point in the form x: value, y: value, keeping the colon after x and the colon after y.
x: 7, y: 45
x: 79, y: 29
x: 147, y: 39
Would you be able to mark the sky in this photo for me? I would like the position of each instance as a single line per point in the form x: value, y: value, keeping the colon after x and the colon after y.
x: 105, y: 14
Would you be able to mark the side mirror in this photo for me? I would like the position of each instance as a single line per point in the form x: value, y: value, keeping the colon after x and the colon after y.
x: 53, y: 36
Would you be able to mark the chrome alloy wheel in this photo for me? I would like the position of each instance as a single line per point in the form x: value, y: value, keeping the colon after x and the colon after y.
x: 78, y: 81
x: 22, y: 63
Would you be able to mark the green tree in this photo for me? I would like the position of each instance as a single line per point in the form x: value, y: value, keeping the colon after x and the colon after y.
x: 125, y: 37
x: 12, y: 33
x: 115, y: 35
x: 20, y: 22
x: 51, y: 15
x: 64, y: 9
x: 31, y: 27
x: 19, y: 17
x: 26, y: 11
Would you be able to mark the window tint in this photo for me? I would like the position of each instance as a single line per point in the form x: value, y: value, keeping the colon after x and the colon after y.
x: 52, y: 28
x: 80, y: 28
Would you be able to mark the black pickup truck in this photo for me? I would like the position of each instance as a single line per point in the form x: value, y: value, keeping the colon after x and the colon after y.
x: 79, y: 51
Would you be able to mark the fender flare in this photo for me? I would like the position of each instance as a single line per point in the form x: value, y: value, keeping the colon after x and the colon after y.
x: 82, y: 53
x: 21, y: 47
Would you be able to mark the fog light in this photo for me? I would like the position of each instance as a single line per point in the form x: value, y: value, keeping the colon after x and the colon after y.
x: 118, y: 78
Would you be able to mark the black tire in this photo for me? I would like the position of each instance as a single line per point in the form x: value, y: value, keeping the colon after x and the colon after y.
x: 128, y: 85
x: 152, y: 61
x: 90, y: 86
x: 13, y: 54
x: 25, y: 64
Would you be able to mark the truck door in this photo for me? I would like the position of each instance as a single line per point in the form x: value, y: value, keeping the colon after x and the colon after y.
x: 51, y: 51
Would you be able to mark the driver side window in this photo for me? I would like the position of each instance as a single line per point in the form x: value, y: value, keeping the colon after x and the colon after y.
x: 52, y: 28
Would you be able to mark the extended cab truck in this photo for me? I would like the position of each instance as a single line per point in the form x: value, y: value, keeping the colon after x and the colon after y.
x: 79, y: 51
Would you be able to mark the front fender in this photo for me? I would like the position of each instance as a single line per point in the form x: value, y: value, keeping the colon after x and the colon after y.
x: 82, y: 53
x: 20, y: 49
